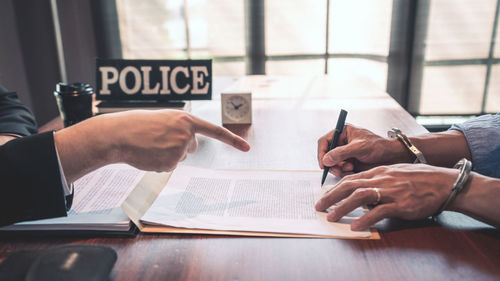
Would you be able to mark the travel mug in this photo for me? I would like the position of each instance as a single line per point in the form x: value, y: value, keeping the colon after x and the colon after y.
x: 74, y: 102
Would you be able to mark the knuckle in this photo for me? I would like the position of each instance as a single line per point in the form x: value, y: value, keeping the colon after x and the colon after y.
x: 220, y: 132
x: 361, y: 144
x: 361, y: 193
x: 184, y: 118
x: 385, y: 209
x: 386, y: 179
x: 349, y: 178
x: 351, y: 187
x: 381, y: 169
x: 186, y: 136
x: 357, y: 143
x: 409, y: 185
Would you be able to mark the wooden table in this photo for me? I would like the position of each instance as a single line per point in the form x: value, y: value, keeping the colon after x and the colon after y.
x: 290, y: 114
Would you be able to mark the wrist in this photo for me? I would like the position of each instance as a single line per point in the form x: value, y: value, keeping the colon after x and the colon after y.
x: 475, y: 195
x: 415, y: 153
x: 478, y: 199
x: 85, y: 147
x: 6, y: 138
x: 105, y: 140
x: 400, y: 154
x: 461, y: 183
x: 460, y: 202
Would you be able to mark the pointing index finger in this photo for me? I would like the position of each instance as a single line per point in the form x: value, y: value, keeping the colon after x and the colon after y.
x: 217, y: 132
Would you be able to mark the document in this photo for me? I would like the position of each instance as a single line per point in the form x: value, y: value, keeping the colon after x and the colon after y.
x: 96, y: 202
x: 244, y: 200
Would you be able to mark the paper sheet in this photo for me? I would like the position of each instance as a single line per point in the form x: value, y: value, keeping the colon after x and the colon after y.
x: 96, y: 202
x: 243, y: 200
x: 104, y: 189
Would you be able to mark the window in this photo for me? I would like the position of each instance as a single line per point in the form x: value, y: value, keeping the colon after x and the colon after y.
x: 295, y: 34
x: 158, y: 30
x: 453, y: 58
x: 459, y: 63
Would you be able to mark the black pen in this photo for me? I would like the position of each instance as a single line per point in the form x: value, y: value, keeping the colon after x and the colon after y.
x: 335, y: 138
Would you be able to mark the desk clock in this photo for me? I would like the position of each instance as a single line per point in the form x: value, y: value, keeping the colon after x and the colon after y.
x: 236, y: 108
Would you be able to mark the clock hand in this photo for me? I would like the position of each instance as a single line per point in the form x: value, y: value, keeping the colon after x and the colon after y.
x: 238, y: 106
x: 234, y: 105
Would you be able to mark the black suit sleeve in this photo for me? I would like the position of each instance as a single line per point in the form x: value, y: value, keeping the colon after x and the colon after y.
x: 15, y: 118
x: 31, y: 186
x: 30, y: 179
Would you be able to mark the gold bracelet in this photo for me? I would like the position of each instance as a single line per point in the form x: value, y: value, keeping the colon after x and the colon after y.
x: 396, y: 133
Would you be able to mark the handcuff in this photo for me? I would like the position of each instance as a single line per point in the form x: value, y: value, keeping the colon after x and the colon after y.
x: 396, y: 133
x: 465, y: 167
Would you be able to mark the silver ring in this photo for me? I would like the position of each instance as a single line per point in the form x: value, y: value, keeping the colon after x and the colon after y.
x: 378, y: 195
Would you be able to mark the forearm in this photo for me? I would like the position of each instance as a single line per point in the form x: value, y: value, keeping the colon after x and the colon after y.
x: 480, y: 199
x: 443, y: 149
x: 85, y: 147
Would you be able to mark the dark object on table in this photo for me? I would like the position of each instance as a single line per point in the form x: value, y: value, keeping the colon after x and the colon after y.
x: 89, y: 263
x: 74, y: 102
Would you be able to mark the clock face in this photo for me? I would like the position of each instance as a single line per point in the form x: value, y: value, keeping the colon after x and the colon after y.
x: 236, y: 107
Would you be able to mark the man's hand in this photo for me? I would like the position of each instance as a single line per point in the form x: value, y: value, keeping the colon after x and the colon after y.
x: 148, y: 140
x: 407, y: 191
x: 5, y: 139
x: 358, y: 150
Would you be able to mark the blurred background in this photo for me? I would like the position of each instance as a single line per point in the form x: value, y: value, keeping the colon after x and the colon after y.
x: 437, y: 58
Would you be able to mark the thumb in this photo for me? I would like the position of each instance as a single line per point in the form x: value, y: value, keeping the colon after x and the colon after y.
x: 339, y: 154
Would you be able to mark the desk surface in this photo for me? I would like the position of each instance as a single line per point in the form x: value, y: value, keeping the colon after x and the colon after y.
x: 290, y: 114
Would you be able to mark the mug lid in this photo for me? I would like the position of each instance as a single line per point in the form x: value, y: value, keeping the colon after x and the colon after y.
x: 74, y: 88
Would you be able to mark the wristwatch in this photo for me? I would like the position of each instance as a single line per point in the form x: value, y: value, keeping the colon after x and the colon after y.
x: 397, y: 133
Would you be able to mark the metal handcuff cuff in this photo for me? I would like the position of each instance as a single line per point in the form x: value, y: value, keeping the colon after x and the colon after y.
x: 465, y: 167
x: 396, y: 133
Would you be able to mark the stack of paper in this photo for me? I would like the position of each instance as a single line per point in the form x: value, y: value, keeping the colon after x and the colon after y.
x: 241, y: 202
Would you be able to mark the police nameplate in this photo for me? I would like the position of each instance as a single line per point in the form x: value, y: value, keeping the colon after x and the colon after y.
x: 160, y: 80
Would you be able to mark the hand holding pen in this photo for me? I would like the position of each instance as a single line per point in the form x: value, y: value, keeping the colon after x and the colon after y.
x: 333, y: 143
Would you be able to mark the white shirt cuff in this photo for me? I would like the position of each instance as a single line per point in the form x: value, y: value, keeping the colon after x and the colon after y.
x: 66, y: 189
x: 11, y: 135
